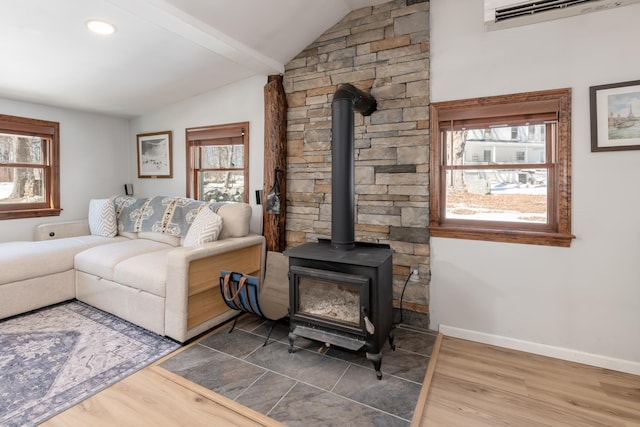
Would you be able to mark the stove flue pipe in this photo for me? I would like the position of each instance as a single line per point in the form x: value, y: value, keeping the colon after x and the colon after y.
x: 346, y: 100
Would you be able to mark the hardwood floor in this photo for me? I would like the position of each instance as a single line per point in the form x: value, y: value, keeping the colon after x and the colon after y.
x: 157, y: 397
x: 470, y: 384
x: 477, y: 384
x: 149, y: 398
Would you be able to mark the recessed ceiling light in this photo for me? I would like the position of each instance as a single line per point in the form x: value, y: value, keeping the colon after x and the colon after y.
x: 101, y: 27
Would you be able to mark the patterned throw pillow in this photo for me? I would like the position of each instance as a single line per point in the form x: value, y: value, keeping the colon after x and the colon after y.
x: 102, y: 218
x: 205, y: 228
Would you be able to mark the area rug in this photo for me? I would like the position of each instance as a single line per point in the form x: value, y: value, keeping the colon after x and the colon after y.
x: 56, y: 357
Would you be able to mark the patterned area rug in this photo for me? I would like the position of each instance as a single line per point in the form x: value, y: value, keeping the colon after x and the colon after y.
x: 54, y: 358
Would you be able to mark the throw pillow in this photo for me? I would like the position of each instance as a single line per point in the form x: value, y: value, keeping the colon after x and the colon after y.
x: 236, y: 218
x: 102, y: 218
x: 205, y: 228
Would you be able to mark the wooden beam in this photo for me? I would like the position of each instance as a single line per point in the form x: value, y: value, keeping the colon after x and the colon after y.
x: 275, y: 161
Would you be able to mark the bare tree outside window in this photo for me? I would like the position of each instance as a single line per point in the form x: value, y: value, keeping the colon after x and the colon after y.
x: 217, y: 162
x: 21, y: 184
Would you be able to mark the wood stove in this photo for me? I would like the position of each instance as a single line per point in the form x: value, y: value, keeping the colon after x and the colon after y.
x: 342, y: 298
x: 341, y: 291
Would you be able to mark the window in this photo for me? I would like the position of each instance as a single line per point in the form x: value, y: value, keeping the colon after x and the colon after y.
x: 521, y: 191
x: 29, y: 168
x: 218, y: 162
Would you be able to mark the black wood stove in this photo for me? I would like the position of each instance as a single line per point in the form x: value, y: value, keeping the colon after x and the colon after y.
x: 341, y: 291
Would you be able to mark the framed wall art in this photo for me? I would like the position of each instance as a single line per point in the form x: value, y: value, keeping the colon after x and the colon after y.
x: 615, y: 116
x: 154, y: 155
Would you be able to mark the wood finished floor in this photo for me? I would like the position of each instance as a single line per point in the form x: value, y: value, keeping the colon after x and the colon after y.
x: 482, y: 385
x: 470, y: 384
x: 156, y: 397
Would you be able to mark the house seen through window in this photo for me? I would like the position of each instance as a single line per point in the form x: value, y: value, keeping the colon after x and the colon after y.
x: 501, y: 168
x: 29, y: 168
x: 218, y: 162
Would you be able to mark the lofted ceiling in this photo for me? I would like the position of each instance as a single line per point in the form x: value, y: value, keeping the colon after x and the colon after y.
x: 163, y: 51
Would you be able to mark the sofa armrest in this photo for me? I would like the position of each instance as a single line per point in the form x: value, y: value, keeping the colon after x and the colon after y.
x: 59, y: 230
x: 182, y: 255
x: 193, y: 301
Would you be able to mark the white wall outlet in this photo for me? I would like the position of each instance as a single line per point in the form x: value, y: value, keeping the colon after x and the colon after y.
x: 415, y: 274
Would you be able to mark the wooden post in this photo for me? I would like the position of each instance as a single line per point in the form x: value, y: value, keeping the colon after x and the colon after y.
x: 275, y: 158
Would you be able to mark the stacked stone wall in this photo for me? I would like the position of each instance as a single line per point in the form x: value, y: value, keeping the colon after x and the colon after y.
x: 384, y: 50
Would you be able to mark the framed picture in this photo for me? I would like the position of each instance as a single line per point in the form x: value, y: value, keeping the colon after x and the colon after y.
x: 154, y: 155
x: 615, y: 116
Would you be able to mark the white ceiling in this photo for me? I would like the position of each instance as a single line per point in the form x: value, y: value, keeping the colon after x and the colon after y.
x: 163, y: 51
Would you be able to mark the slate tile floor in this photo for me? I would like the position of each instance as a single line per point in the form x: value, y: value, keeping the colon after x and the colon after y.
x: 315, y: 386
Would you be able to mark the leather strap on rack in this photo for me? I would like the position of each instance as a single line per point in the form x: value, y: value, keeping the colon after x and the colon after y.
x: 230, y: 295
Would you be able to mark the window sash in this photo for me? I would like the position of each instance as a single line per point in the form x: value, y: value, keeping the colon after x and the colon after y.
x: 46, y: 177
x: 550, y: 152
x: 447, y: 219
x: 201, y: 156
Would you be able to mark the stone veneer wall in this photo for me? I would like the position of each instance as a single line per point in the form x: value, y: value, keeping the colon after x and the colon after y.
x: 385, y: 50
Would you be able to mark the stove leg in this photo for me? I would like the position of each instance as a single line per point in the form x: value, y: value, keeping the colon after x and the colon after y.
x: 376, y: 359
x: 292, y: 338
x: 391, y: 337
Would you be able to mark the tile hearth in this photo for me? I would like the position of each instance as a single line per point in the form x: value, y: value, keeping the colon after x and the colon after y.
x: 316, y: 385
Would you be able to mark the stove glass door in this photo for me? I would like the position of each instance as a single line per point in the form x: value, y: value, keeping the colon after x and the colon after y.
x: 331, y: 297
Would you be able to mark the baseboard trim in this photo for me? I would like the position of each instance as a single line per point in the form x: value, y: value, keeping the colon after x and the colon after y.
x: 570, y: 355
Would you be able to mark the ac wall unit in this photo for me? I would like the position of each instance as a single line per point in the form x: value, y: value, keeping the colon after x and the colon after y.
x: 499, y: 14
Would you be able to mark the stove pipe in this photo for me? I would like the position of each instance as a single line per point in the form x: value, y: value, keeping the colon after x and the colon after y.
x: 346, y: 100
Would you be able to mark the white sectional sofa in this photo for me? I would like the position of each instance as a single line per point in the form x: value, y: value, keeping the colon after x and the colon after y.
x: 159, y: 269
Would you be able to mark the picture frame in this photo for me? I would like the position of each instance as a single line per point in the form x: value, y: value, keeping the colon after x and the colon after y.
x: 155, y: 155
x: 615, y: 116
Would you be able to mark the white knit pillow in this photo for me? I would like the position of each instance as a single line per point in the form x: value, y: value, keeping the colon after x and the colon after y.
x: 102, y: 218
x: 205, y: 228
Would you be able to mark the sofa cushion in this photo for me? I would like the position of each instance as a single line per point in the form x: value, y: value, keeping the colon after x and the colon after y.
x: 26, y: 260
x: 102, y: 260
x: 128, y: 234
x: 102, y: 218
x: 236, y: 218
x: 205, y: 228
x: 160, y: 237
x: 147, y: 272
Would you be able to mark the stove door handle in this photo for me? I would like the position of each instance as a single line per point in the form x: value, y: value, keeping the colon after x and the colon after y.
x: 369, y: 326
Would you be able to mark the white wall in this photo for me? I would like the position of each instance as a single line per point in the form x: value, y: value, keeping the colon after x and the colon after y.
x: 580, y: 303
x: 238, y: 102
x: 98, y: 152
x: 94, y: 162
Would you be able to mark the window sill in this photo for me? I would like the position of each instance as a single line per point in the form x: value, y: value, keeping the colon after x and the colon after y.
x: 30, y: 213
x: 503, y: 235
